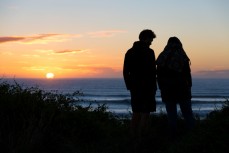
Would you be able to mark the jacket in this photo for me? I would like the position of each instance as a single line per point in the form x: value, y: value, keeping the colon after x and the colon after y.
x: 139, y: 70
x: 174, y: 85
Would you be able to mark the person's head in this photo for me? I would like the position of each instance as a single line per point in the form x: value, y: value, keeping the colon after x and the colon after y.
x: 174, y: 42
x: 147, y: 36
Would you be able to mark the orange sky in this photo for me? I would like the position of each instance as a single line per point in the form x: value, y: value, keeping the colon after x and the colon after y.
x: 77, y: 39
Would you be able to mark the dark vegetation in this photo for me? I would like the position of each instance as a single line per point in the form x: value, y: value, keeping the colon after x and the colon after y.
x: 35, y: 121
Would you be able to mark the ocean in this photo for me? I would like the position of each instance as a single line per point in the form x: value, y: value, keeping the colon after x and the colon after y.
x: 208, y: 94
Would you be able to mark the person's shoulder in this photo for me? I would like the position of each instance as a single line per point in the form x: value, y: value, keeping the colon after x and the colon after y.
x: 130, y: 51
x: 151, y: 51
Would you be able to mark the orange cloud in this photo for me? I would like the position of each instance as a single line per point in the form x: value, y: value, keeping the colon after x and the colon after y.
x: 94, y: 71
x: 108, y: 33
x: 69, y: 51
x: 10, y: 39
x: 35, y: 68
x: 212, y: 74
x: 37, y: 39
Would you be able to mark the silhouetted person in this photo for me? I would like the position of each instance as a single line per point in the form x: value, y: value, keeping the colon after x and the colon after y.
x: 175, y: 82
x: 139, y: 73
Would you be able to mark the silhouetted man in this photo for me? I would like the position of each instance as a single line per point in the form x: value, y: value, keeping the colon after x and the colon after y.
x: 139, y: 73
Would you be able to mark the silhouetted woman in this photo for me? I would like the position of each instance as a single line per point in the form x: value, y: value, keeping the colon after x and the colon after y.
x: 175, y: 82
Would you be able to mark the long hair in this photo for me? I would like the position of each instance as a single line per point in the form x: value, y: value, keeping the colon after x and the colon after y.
x: 173, y: 55
x: 174, y: 43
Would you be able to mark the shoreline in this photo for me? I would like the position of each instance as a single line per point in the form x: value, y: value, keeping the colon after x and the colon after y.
x: 124, y: 109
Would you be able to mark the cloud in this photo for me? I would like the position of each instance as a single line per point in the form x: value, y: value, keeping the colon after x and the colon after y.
x: 107, y: 72
x: 55, y: 37
x: 108, y: 33
x: 35, y: 68
x: 95, y: 71
x: 70, y: 51
x: 38, y: 39
x: 31, y: 56
x: 10, y: 38
x: 59, y: 52
x: 212, y: 74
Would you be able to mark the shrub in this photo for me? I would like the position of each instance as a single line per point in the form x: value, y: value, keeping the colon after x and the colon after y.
x: 33, y: 120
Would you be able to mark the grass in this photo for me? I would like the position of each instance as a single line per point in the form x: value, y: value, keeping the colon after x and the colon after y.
x: 35, y: 121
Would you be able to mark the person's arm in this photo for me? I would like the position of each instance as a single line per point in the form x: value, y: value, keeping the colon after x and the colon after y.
x: 154, y: 72
x: 188, y: 75
x: 126, y: 72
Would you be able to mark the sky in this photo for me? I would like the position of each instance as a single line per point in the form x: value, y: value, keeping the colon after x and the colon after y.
x: 89, y: 38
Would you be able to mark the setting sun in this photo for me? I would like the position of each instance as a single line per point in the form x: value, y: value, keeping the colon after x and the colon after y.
x: 49, y: 75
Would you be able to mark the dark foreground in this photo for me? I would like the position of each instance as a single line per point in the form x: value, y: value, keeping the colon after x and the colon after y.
x: 34, y: 121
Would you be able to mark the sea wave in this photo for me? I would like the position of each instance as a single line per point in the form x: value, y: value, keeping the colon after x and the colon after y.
x: 158, y: 101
